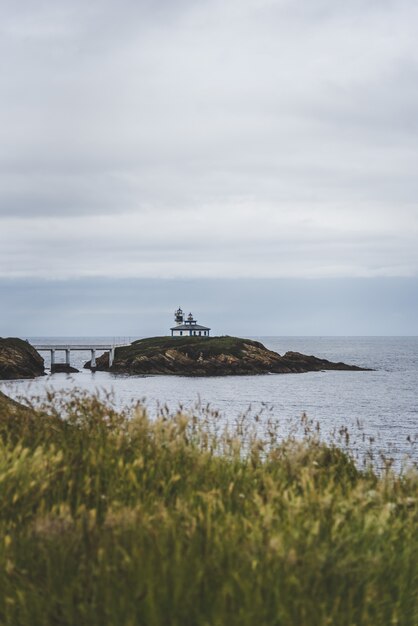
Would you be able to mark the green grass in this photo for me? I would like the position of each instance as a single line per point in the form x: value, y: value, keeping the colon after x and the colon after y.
x: 209, y: 346
x: 109, y: 519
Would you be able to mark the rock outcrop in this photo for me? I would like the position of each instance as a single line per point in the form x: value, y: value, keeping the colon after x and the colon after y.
x: 9, y: 407
x: 214, y: 356
x: 18, y: 359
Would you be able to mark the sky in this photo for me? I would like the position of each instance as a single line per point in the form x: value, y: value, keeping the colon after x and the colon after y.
x: 254, y: 161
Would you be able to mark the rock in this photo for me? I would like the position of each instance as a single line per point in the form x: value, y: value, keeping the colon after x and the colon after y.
x: 18, y: 359
x: 313, y: 364
x: 10, y: 407
x: 63, y: 368
x: 104, y: 363
x: 24, y: 425
x: 214, y: 356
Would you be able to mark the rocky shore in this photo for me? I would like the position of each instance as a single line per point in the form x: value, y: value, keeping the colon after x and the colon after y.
x: 215, y: 356
x: 9, y: 407
x: 18, y: 359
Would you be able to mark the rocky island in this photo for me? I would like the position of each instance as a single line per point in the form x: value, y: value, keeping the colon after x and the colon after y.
x: 212, y: 356
x: 18, y: 359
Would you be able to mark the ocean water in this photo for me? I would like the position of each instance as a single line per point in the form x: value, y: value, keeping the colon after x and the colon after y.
x: 382, y: 404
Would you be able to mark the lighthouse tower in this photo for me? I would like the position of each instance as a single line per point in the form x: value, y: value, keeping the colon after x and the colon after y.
x: 179, y: 316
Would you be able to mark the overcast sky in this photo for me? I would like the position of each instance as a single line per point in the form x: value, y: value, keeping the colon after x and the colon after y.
x: 146, y: 140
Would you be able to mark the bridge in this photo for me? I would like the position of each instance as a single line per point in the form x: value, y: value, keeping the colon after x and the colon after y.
x: 67, y: 348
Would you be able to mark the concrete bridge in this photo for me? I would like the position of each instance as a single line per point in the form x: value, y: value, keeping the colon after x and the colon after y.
x: 67, y: 348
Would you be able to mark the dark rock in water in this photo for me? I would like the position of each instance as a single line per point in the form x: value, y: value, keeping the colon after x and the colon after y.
x: 63, y: 368
x: 18, y: 359
x: 213, y: 356
x: 303, y: 363
x: 104, y: 363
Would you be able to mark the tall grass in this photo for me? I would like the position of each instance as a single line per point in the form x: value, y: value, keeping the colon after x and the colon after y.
x: 113, y: 519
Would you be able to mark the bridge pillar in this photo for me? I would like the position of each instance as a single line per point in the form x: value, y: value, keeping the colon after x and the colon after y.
x: 67, y: 357
x: 52, y: 357
x: 93, y: 364
x: 111, y: 356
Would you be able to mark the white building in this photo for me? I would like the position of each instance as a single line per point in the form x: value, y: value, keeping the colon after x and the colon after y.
x: 187, y: 327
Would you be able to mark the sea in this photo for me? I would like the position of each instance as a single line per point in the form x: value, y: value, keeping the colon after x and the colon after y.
x: 379, y: 408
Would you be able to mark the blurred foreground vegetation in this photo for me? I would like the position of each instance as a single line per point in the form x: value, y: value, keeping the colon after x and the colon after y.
x: 110, y: 519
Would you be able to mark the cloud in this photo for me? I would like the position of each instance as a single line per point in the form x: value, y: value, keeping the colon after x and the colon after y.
x: 246, y: 241
x: 219, y: 138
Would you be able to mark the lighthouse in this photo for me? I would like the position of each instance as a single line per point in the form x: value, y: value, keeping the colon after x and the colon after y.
x: 179, y: 316
x: 187, y: 327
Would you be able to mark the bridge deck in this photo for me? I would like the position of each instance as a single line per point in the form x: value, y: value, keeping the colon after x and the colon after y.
x: 85, y: 347
x: 67, y: 346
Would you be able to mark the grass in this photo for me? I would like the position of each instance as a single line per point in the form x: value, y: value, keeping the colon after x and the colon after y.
x: 112, y: 519
x: 209, y: 346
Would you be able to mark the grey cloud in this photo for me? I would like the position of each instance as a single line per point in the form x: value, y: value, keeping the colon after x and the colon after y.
x: 194, y: 124
x: 64, y: 193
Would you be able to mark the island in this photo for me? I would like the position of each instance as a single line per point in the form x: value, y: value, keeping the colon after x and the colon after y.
x: 209, y: 356
x: 18, y: 359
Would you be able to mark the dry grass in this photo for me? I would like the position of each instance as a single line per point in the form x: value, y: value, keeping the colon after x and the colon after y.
x: 110, y: 519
